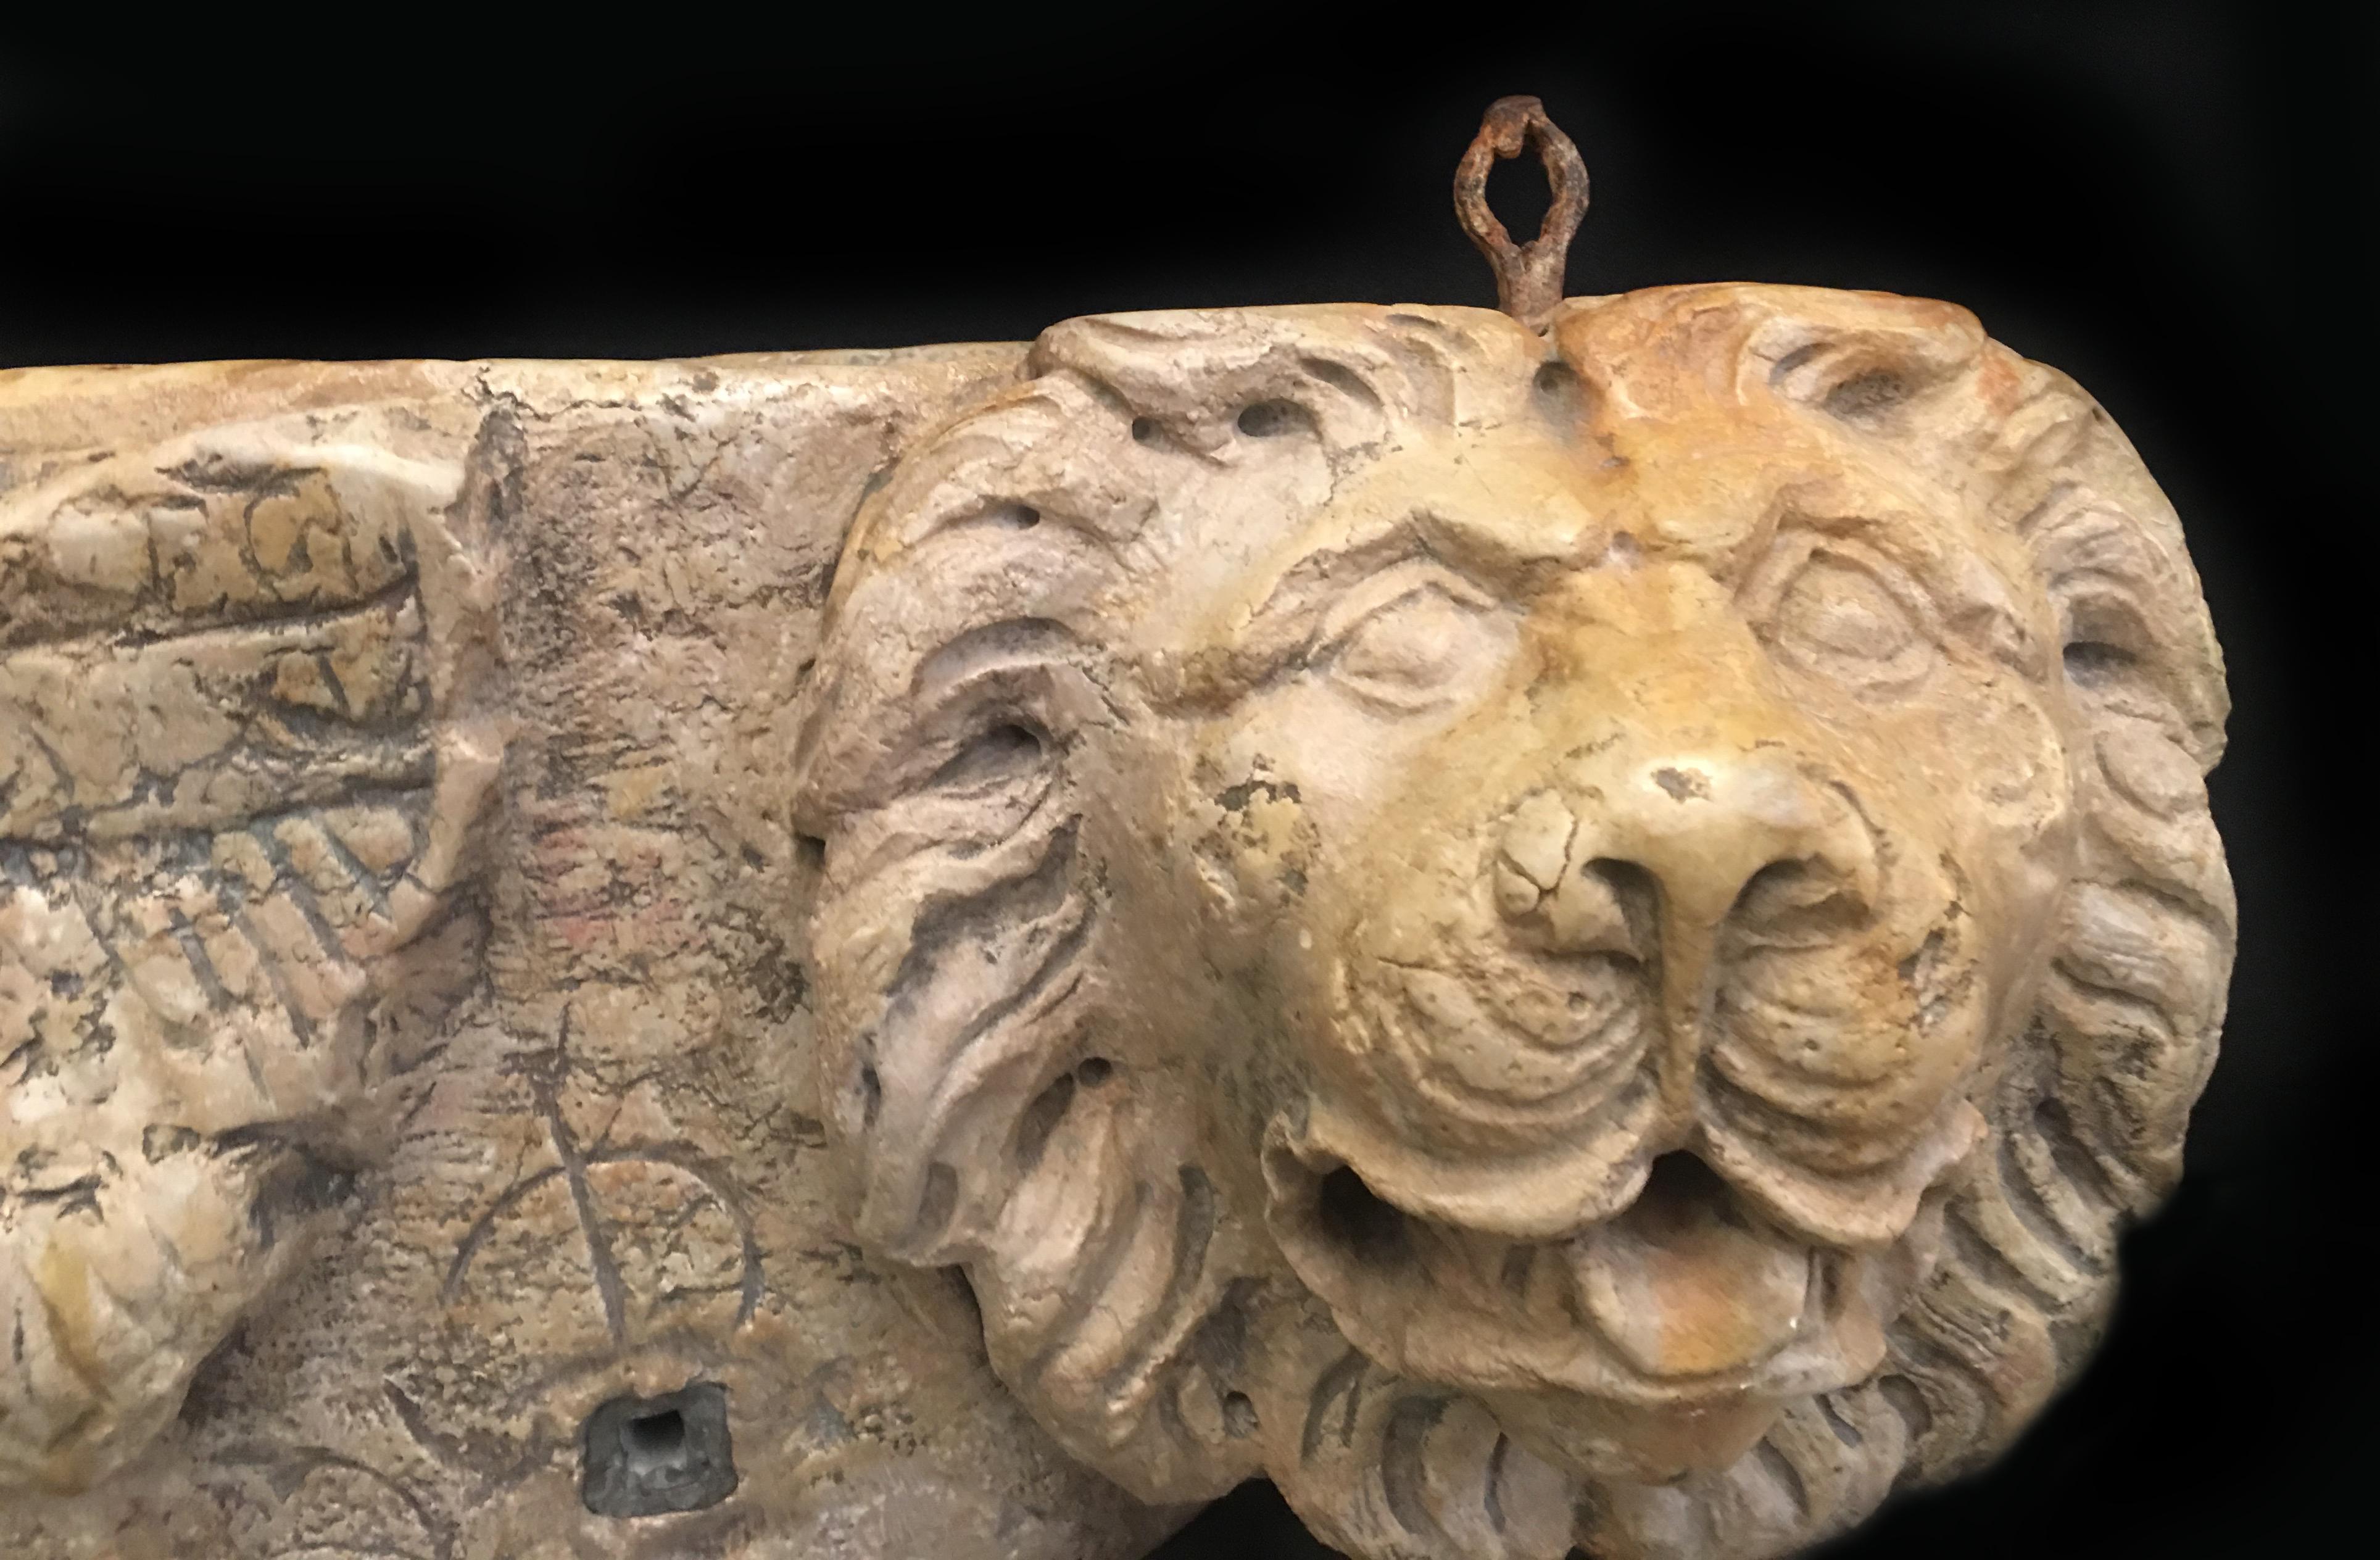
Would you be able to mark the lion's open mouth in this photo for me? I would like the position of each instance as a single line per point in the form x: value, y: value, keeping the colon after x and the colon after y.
x: 1685, y: 1298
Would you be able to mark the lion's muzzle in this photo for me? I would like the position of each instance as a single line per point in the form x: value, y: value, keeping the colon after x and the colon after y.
x: 1541, y: 1159
x: 1647, y: 855
x: 1550, y: 995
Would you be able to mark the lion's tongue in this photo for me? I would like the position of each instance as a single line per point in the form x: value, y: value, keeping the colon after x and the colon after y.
x: 1682, y: 1284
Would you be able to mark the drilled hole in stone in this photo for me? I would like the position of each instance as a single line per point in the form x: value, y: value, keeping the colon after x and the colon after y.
x: 1269, y: 420
x: 1867, y: 394
x: 1352, y: 1215
x: 1561, y: 394
x: 2093, y: 663
x: 1144, y: 429
x: 812, y: 851
x: 1094, y: 1071
x: 1000, y: 753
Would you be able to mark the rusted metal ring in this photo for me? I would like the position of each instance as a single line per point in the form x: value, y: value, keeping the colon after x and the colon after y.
x: 1528, y: 276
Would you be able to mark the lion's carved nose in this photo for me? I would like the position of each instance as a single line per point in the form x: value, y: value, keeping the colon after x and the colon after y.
x: 1651, y: 856
x: 1695, y: 831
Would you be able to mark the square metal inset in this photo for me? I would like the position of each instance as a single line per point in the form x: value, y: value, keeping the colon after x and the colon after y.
x: 647, y: 1457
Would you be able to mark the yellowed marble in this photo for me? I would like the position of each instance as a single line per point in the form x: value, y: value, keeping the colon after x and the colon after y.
x: 1556, y: 937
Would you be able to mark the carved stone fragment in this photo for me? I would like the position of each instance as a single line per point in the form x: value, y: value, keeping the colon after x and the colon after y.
x: 1577, y: 928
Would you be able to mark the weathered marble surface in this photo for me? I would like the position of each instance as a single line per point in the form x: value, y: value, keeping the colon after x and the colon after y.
x: 1557, y: 938
x: 513, y: 1023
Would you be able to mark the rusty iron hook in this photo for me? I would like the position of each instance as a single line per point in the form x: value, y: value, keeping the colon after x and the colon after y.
x: 1528, y: 276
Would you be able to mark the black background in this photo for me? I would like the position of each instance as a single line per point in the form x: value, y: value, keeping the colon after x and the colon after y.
x: 2169, y: 198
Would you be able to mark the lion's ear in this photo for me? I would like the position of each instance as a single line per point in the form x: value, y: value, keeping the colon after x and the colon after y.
x: 1862, y: 358
x: 1350, y: 376
x: 1868, y: 361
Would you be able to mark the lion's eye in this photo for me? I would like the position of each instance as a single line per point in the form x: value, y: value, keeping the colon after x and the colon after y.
x: 1425, y: 636
x: 1851, y: 620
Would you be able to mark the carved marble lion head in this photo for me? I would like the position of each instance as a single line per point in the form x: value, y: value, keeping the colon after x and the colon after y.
x: 1545, y: 939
